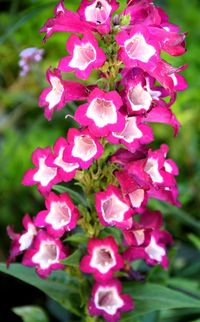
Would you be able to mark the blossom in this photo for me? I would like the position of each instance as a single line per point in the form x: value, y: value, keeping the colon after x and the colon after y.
x: 21, y: 242
x: 85, y: 55
x: 61, y: 92
x: 45, y: 254
x: 27, y: 57
x: 103, y: 259
x: 98, y: 12
x: 108, y: 301
x: 154, y: 253
x: 43, y: 175
x: 133, y: 134
x: 101, y: 113
x: 112, y: 208
x: 137, y: 48
x: 83, y: 148
x: 66, y: 170
x: 61, y: 215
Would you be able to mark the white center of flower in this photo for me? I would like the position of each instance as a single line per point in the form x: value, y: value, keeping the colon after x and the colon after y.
x: 108, y: 299
x: 139, y: 98
x: 66, y: 166
x: 84, y: 147
x: 137, y: 48
x: 47, y: 255
x: 139, y: 236
x: 102, y: 112
x: 113, y: 209
x: 83, y: 56
x: 54, y: 96
x: 26, y: 239
x: 98, y: 12
x: 59, y: 215
x: 168, y: 167
x: 154, y: 251
x: 103, y: 259
x: 130, y: 131
x: 151, y: 168
x: 44, y: 174
x: 136, y: 197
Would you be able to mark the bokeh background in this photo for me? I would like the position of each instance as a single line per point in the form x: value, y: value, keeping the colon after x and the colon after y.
x: 23, y: 128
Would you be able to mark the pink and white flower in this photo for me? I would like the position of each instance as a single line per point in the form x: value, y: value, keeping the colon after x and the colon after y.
x: 43, y: 175
x: 133, y: 134
x: 61, y: 92
x: 21, y: 242
x: 101, y: 113
x: 107, y: 301
x: 45, y: 254
x: 66, y: 170
x: 85, y: 55
x: 112, y: 208
x: 103, y: 259
x: 155, y: 252
x: 83, y: 148
x: 137, y: 48
x: 61, y: 215
x: 98, y: 12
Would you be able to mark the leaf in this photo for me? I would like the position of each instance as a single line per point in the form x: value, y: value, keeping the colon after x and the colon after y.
x: 31, y: 313
x: 59, y: 286
x: 195, y: 240
x: 74, y: 259
x: 151, y: 297
x: 77, y: 238
x: 76, y: 197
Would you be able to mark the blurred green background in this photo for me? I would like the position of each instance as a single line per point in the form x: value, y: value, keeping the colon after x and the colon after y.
x: 23, y: 128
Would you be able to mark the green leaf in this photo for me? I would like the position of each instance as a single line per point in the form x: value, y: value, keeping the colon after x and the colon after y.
x: 195, y: 240
x: 74, y: 259
x: 31, y: 313
x: 151, y: 297
x: 60, y: 286
x: 76, y: 196
x: 77, y: 238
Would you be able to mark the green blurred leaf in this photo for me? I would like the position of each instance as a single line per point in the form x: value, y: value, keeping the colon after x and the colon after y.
x: 195, y: 240
x: 152, y: 297
x: 76, y: 196
x: 77, y: 238
x: 59, y: 286
x: 74, y: 259
x: 31, y: 313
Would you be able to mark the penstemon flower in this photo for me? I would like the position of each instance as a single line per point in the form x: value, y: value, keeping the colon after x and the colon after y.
x: 107, y: 153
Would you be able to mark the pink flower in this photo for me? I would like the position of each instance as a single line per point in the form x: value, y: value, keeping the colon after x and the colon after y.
x: 141, y: 231
x: 101, y: 113
x: 27, y: 57
x: 137, y: 48
x: 43, y: 175
x: 98, y: 12
x: 61, y: 215
x: 133, y: 134
x: 45, y: 254
x: 83, y: 148
x: 66, y: 170
x: 108, y: 301
x: 85, y: 55
x: 103, y: 259
x: 155, y: 252
x: 112, y: 208
x: 21, y: 242
x: 65, y: 21
x: 61, y: 92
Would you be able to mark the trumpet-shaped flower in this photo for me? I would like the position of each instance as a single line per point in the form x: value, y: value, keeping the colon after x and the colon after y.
x: 85, y: 55
x: 103, y: 259
x: 107, y: 301
x: 61, y: 215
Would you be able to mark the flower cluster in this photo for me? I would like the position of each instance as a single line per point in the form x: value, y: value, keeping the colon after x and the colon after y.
x: 108, y: 153
x: 27, y: 57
